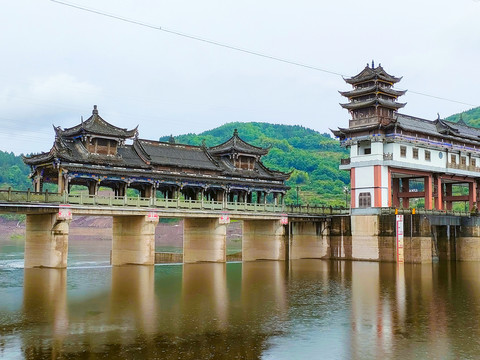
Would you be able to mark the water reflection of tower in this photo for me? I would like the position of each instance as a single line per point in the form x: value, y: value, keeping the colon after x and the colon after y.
x: 45, y: 311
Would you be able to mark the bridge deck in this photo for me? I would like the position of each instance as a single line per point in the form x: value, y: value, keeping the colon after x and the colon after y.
x: 12, y: 201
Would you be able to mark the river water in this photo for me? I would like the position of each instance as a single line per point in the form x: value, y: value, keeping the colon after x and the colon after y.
x: 305, y: 309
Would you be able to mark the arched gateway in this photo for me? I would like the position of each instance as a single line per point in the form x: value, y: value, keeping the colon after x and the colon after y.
x: 96, y: 154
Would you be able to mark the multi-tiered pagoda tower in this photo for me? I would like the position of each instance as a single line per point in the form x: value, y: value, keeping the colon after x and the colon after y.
x: 390, y: 151
x: 372, y: 100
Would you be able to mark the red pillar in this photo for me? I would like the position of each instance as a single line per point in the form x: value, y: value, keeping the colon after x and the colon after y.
x: 406, y: 188
x: 395, y: 191
x: 439, y: 198
x: 472, y: 194
x: 448, y: 192
x: 428, y: 192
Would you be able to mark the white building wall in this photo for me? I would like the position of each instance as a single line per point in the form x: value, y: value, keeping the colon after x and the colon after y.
x: 364, y: 183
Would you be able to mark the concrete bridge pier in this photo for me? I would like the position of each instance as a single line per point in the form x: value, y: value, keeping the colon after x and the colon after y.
x: 309, y: 240
x: 204, y: 239
x: 263, y: 240
x: 468, y: 240
x: 133, y: 240
x: 46, y: 241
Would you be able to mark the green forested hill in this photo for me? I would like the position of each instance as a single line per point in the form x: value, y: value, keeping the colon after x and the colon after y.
x: 313, y: 157
x: 471, y: 117
x: 13, y: 172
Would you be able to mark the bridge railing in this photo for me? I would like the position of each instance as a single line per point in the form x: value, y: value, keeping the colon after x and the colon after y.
x: 316, y: 210
x: 392, y: 211
x: 16, y: 196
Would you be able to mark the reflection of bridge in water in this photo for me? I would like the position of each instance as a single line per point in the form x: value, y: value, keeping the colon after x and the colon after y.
x: 245, y: 310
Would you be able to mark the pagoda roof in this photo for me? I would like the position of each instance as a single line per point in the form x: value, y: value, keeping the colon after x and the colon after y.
x: 236, y: 145
x: 95, y: 125
x: 376, y: 88
x: 165, y: 159
x: 179, y: 155
x: 373, y: 102
x: 372, y: 73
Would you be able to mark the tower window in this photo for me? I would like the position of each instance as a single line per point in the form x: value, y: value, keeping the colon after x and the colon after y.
x: 415, y: 153
x: 368, y: 151
x: 427, y: 155
x: 403, y: 151
x: 364, y: 200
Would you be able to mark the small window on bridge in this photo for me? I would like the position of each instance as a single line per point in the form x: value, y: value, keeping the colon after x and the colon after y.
x: 364, y: 200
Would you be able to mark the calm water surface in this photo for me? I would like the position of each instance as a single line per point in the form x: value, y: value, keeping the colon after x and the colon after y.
x: 307, y: 309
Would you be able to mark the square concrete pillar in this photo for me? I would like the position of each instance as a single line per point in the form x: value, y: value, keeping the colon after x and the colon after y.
x: 46, y: 241
x: 204, y: 240
x: 309, y: 240
x: 263, y: 240
x: 133, y: 240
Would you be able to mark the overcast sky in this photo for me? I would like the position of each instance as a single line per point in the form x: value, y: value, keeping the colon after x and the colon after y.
x: 57, y: 62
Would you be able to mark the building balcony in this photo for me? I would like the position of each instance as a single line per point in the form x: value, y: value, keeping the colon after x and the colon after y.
x: 473, y: 168
x: 388, y: 156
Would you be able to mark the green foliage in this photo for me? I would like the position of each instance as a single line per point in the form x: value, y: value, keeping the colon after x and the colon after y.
x: 312, y: 157
x: 13, y: 172
x: 471, y: 117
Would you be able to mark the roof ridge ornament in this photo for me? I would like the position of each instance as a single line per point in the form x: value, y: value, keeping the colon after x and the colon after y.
x: 95, y: 110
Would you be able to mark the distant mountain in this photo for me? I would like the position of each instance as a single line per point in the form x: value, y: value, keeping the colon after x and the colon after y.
x: 471, y: 117
x: 313, y: 157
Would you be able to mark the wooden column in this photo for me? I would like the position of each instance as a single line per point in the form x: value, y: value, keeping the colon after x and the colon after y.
x: 472, y: 195
x: 448, y: 193
x: 395, y: 191
x: 405, y: 188
x: 60, y: 182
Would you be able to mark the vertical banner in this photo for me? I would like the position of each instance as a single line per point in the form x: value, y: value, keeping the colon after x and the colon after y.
x: 399, y: 227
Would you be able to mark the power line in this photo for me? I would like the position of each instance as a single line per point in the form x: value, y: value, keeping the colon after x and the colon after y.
x: 231, y: 47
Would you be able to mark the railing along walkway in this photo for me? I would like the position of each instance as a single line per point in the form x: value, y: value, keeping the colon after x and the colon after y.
x: 392, y: 211
x: 29, y: 197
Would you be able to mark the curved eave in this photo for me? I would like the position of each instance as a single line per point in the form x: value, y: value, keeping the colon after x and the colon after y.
x: 236, y: 144
x: 369, y: 74
x: 374, y: 102
x: 372, y: 90
x: 38, y: 159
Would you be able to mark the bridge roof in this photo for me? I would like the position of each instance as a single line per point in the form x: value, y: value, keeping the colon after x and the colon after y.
x: 96, y: 125
x: 71, y: 151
